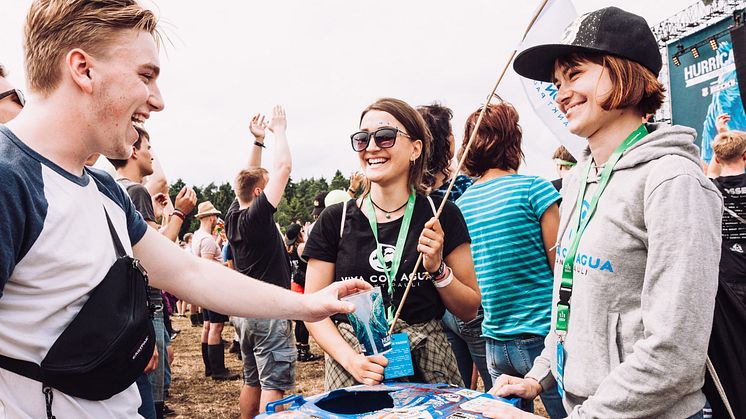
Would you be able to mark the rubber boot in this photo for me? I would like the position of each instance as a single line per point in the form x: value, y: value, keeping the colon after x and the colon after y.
x: 305, y: 355
x: 158, y: 410
x: 195, y: 320
x: 206, y: 359
x: 217, y: 362
x: 236, y: 349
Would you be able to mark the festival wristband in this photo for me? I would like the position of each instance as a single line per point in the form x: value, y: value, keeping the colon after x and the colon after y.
x: 439, y: 273
x: 258, y: 144
x: 445, y: 282
x: 179, y: 214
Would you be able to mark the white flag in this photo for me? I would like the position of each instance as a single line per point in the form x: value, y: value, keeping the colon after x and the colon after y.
x: 548, y: 29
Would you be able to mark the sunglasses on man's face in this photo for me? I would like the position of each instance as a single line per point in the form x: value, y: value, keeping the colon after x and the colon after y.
x: 17, y: 96
x: 384, y: 138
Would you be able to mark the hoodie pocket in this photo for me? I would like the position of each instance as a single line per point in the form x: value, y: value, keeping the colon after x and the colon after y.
x: 613, y: 334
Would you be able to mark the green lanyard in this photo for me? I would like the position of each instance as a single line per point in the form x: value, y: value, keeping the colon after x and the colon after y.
x: 565, y: 292
x: 399, y: 250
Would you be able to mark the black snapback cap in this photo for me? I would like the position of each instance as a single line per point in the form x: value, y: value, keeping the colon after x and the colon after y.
x: 610, y: 30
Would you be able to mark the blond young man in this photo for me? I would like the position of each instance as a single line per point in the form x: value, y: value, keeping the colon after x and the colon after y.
x: 730, y: 154
x: 92, y: 71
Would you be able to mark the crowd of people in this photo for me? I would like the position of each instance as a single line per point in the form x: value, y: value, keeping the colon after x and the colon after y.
x: 595, y: 291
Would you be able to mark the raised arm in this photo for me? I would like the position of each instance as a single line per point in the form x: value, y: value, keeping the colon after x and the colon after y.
x: 185, y: 202
x: 216, y: 287
x: 258, y: 128
x: 282, y: 163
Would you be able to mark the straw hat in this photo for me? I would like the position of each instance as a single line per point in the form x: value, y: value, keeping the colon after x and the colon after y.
x: 206, y: 209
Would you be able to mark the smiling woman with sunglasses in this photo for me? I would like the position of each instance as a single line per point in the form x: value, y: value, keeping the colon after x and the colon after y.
x: 378, y: 237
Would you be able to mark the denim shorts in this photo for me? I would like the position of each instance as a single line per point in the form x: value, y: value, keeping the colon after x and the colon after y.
x: 268, y: 353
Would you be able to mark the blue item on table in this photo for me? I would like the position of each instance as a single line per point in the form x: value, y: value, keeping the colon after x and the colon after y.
x: 387, y: 400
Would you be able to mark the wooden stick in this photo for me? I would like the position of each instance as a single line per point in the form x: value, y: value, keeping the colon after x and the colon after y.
x: 463, y: 158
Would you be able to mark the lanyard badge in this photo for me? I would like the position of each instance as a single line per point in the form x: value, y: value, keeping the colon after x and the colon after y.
x: 562, y: 318
x: 398, y: 251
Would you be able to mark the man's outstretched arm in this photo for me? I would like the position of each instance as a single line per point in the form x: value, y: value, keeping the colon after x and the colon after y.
x: 218, y: 288
x: 282, y: 163
x: 258, y: 128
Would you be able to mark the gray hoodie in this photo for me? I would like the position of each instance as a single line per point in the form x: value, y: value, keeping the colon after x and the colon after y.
x: 644, y: 286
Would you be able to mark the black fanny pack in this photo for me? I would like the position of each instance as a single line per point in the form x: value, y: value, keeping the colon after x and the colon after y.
x: 109, y: 342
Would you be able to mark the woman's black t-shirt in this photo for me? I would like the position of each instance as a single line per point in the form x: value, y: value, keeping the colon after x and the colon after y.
x: 355, y: 256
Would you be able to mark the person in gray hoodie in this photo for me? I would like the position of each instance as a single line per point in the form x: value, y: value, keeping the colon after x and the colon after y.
x: 637, y: 260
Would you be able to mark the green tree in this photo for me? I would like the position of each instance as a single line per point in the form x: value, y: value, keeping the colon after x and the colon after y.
x: 339, y: 181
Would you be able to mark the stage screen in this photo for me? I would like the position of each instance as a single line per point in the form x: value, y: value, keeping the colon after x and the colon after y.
x: 702, y: 88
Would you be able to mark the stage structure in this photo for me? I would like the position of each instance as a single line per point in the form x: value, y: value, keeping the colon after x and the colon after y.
x: 704, y: 67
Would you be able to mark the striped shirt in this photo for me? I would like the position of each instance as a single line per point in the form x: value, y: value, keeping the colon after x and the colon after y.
x: 503, y: 217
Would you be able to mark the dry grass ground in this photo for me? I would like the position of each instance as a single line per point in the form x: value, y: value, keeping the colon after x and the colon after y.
x: 194, y: 396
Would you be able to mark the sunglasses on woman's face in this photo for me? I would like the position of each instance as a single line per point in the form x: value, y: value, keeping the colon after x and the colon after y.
x: 17, y: 96
x: 384, y: 138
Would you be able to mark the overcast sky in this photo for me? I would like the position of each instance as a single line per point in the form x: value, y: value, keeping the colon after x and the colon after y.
x: 324, y: 61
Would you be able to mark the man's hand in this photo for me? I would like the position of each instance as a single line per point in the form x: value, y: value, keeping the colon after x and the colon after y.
x: 501, y: 410
x: 185, y: 200
x: 160, y: 200
x: 279, y: 121
x: 356, y: 179
x: 257, y: 127
x: 525, y: 388
x: 721, y: 122
x: 326, y: 302
x: 153, y: 364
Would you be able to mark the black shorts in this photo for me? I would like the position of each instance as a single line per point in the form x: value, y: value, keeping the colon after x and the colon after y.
x: 213, y: 316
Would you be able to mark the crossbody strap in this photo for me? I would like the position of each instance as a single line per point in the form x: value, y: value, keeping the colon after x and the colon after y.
x: 115, y: 237
x: 342, y: 223
x: 432, y: 205
x: 25, y: 368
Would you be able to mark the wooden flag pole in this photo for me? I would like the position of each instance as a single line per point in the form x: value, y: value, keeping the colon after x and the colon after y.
x: 463, y: 158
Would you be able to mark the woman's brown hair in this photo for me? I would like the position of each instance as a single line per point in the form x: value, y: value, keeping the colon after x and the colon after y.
x: 633, y: 85
x: 420, y: 178
x: 497, y: 144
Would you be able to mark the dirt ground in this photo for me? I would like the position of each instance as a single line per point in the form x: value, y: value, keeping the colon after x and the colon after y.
x: 194, y: 396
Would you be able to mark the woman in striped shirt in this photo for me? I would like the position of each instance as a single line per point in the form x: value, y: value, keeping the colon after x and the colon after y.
x: 512, y: 220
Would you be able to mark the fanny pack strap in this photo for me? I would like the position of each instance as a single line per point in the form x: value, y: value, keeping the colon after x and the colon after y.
x: 115, y: 237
